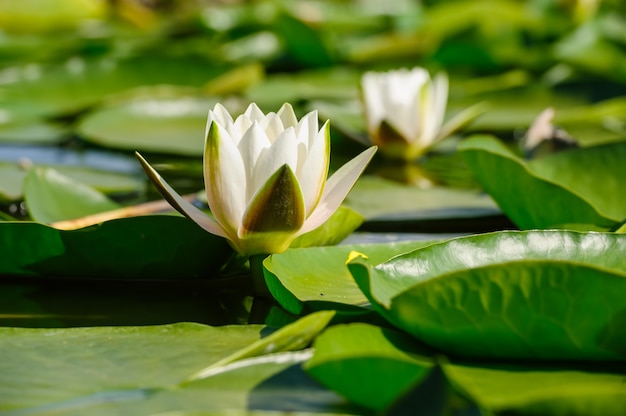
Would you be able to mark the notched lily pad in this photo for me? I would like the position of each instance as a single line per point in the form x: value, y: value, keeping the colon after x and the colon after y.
x: 319, y: 274
x: 577, y: 188
x: 536, y: 294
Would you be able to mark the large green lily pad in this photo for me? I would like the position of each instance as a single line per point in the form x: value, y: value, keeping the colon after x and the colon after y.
x: 508, y: 294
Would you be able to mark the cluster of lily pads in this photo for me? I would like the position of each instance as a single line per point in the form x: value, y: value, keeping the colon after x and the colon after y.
x: 460, y: 250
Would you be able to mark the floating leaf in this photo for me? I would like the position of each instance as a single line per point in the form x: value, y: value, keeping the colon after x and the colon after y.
x: 35, y: 91
x: 150, y: 247
x: 171, y: 124
x: 136, y: 370
x: 380, y: 368
x: 387, y: 202
x: 545, y: 195
x: 369, y: 365
x: 51, y: 196
x: 319, y: 274
x: 508, y: 294
x: 12, y: 180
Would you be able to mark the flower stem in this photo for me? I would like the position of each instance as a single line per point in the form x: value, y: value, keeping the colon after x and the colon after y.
x: 259, y: 287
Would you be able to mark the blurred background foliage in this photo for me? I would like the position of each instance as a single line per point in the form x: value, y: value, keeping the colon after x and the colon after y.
x: 84, y: 83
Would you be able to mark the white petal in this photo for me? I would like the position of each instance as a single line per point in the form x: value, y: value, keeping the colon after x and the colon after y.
x: 287, y: 116
x: 254, y: 113
x: 180, y: 204
x: 436, y: 108
x: 283, y: 151
x: 312, y: 176
x: 220, y: 115
x: 251, y: 146
x: 336, y: 190
x: 273, y: 126
x: 307, y: 128
x: 373, y: 100
x: 224, y: 179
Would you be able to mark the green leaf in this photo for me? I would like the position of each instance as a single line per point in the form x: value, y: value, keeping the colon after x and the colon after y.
x: 319, y: 274
x: 378, y: 198
x: 379, y: 368
x: 304, y: 44
x: 294, y: 336
x: 541, y: 195
x: 51, y: 196
x: 508, y: 294
x: 150, y: 247
x: 547, y: 390
x: 12, y: 179
x: 137, y: 370
x: 36, y: 91
x: 369, y: 365
x: 159, y: 120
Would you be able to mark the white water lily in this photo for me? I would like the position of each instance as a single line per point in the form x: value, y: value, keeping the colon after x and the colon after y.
x: 266, y: 178
x: 405, y: 109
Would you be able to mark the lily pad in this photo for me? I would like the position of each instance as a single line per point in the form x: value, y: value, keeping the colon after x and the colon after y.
x: 51, y: 196
x: 150, y: 247
x: 12, y: 180
x: 36, y: 91
x: 385, y: 362
x: 554, y: 191
x: 394, y: 371
x: 319, y: 274
x: 139, y: 370
x: 173, y: 125
x: 384, y: 201
x: 508, y: 294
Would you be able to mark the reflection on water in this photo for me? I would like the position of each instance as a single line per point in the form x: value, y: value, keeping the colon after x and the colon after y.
x: 73, y: 303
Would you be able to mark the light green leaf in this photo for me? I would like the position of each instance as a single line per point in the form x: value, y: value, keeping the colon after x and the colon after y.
x: 36, y: 90
x: 136, y: 370
x: 319, y: 274
x: 381, y: 199
x: 295, y: 336
x: 51, y: 196
x: 12, y: 179
x: 508, y: 294
x: 547, y: 390
x: 164, y: 121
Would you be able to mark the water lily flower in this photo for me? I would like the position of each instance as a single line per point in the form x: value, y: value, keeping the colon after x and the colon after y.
x: 266, y: 178
x: 405, y: 109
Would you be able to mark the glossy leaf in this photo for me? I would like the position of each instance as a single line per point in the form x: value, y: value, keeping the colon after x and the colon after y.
x: 319, y: 274
x: 150, y: 247
x: 508, y: 294
x: 546, y: 195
